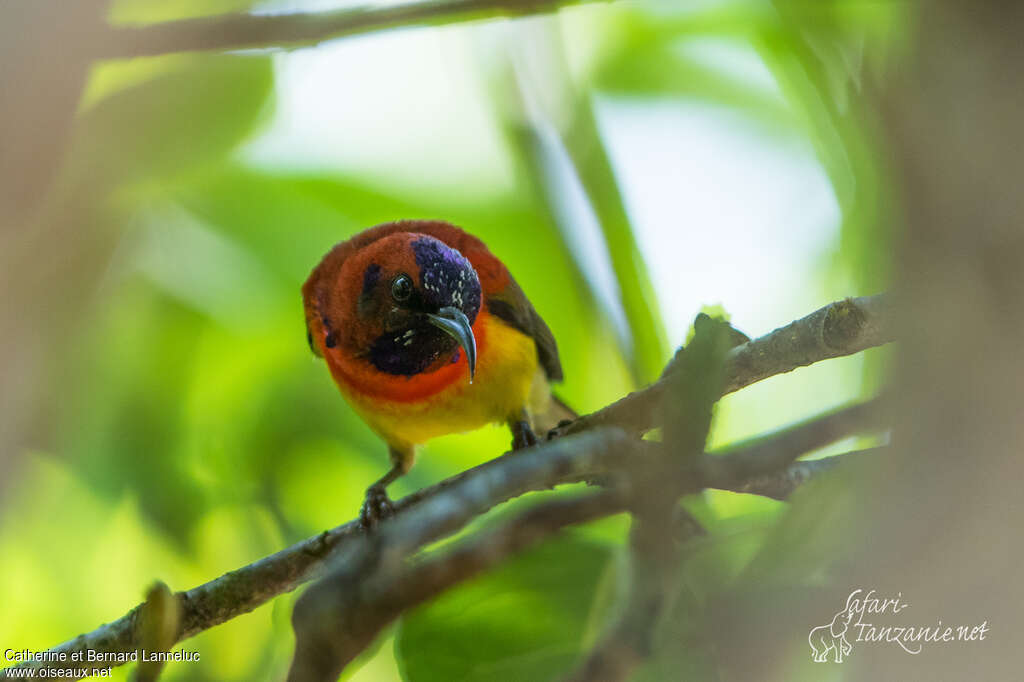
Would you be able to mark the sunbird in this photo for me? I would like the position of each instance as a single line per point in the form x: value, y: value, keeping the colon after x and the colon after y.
x: 427, y: 333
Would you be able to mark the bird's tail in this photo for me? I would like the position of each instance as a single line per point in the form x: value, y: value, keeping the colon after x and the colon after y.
x: 557, y: 412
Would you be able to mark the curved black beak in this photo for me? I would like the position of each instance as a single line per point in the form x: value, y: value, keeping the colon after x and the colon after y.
x: 454, y: 322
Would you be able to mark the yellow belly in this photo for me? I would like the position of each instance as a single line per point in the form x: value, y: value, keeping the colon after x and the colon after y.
x: 508, y: 379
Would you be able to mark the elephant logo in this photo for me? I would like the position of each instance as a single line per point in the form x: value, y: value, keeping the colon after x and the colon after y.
x: 832, y: 637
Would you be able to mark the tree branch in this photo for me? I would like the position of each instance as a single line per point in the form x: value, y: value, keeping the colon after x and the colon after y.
x: 842, y: 328
x: 444, y: 508
x: 447, y: 505
x: 253, y: 31
x: 749, y: 460
x: 328, y: 637
x: 759, y: 465
x: 340, y: 616
x: 781, y: 484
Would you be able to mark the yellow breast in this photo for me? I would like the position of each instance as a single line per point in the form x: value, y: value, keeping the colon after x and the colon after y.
x: 508, y: 379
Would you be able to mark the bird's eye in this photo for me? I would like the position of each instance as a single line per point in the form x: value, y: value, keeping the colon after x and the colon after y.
x: 401, y: 288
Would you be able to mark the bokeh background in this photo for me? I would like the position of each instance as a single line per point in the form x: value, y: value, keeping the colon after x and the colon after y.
x: 633, y: 163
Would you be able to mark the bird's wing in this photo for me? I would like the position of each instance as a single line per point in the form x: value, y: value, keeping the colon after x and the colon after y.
x: 511, y: 305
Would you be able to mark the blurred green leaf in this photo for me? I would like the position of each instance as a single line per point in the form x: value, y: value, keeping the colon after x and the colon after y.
x: 817, y: 56
x: 524, y: 621
x: 110, y: 76
x: 123, y: 413
x: 151, y: 11
x: 192, y: 113
x: 710, y: 567
x: 572, y: 115
x: 659, y: 72
x: 583, y: 141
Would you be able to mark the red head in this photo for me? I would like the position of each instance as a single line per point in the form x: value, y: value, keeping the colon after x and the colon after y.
x: 402, y: 300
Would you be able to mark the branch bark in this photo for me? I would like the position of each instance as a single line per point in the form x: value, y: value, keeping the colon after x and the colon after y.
x: 781, y: 484
x: 340, y: 616
x: 749, y: 460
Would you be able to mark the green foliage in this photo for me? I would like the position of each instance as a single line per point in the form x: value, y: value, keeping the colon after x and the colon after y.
x: 524, y: 621
x: 649, y: 346
x: 192, y: 432
x: 192, y: 112
x: 651, y: 59
x: 152, y: 11
x: 708, y: 572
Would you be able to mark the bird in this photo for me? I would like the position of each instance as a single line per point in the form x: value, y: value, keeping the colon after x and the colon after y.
x: 426, y: 333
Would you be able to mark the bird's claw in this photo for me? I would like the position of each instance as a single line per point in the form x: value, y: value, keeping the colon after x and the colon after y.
x: 377, y: 506
x: 559, y: 429
x: 523, y: 436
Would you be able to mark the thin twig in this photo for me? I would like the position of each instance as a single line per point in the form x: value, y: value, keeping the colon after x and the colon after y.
x: 781, y: 484
x: 842, y: 328
x: 764, y: 456
x: 278, y: 31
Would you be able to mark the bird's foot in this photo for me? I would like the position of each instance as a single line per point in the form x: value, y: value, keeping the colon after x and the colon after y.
x: 376, y: 507
x: 560, y: 429
x: 522, y: 435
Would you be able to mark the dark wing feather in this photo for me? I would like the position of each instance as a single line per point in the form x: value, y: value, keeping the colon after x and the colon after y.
x: 511, y: 306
